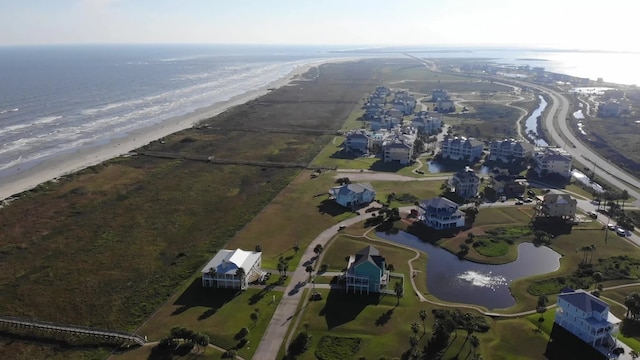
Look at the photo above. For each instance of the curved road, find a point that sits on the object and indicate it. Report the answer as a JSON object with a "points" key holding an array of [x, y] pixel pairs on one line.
{"points": [[558, 115]]}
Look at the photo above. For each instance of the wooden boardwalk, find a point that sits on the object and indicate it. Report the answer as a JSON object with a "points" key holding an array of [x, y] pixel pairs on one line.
{"points": [[214, 160], [14, 322]]}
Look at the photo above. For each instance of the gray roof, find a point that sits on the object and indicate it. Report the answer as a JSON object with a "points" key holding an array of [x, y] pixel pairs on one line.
{"points": [[584, 301], [352, 188], [369, 254], [438, 202], [558, 198], [555, 157]]}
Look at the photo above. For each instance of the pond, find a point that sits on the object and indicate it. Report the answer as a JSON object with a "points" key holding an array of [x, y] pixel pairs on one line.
{"points": [[531, 124], [436, 168], [461, 281]]}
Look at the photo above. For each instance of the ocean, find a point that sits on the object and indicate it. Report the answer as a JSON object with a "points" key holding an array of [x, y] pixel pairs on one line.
{"points": [[56, 99]]}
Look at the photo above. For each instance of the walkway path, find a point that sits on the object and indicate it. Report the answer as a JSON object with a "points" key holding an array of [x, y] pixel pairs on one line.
{"points": [[72, 329], [287, 309]]}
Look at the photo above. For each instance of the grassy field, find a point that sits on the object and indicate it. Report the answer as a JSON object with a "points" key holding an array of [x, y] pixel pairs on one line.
{"points": [[382, 324], [110, 244], [488, 122]]}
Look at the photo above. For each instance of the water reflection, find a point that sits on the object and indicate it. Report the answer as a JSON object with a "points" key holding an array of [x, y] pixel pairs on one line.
{"points": [[531, 124], [454, 280], [436, 167]]}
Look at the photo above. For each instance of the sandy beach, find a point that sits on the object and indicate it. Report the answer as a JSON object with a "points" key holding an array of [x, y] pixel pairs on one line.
{"points": [[84, 157]]}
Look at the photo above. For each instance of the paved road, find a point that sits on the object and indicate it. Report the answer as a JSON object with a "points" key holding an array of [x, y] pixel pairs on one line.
{"points": [[287, 307], [557, 115]]}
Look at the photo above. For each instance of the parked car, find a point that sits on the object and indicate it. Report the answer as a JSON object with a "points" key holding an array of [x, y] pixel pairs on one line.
{"points": [[519, 202], [620, 231], [592, 215], [611, 227], [528, 200]]}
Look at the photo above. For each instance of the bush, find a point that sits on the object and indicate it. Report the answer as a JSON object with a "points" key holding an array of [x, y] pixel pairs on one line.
{"points": [[242, 333], [230, 354], [300, 344], [184, 348]]}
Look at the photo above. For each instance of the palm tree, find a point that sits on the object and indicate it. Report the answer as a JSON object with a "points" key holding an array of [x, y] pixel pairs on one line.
{"points": [[475, 342], [399, 290], [455, 319], [241, 275], [296, 247], [423, 317], [624, 196], [281, 266], [540, 321], [634, 354], [542, 301], [413, 341], [255, 316], [318, 249], [415, 327], [309, 269]]}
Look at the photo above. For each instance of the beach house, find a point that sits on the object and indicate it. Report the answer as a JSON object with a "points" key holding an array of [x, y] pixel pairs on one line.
{"points": [[441, 213], [357, 142], [509, 150], [353, 196], [557, 205], [461, 148], [588, 318], [427, 124], [223, 270], [465, 183], [550, 161], [366, 272]]}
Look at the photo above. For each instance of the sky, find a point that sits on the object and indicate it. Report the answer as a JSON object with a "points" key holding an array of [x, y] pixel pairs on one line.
{"points": [[565, 24]]}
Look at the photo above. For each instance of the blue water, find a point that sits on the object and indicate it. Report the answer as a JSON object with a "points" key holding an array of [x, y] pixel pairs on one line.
{"points": [[54, 99], [531, 124], [461, 281]]}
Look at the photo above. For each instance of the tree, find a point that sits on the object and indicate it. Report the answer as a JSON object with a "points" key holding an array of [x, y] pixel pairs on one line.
{"points": [[540, 321], [542, 301], [634, 354], [241, 275], [318, 249], [624, 196], [423, 317], [399, 290], [475, 342], [413, 340], [415, 327], [296, 247], [255, 316], [632, 302], [309, 269], [390, 267], [464, 250], [281, 266]]}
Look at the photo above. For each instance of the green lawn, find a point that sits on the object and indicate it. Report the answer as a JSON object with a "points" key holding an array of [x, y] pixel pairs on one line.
{"points": [[219, 313]]}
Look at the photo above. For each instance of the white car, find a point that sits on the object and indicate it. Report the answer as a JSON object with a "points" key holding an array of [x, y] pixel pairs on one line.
{"points": [[611, 227], [620, 231]]}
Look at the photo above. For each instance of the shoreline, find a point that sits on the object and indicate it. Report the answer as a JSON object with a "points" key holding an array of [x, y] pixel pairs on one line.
{"points": [[84, 157]]}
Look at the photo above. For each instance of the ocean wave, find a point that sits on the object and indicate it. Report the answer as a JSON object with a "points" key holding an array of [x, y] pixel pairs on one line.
{"points": [[9, 110], [49, 135], [47, 120]]}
